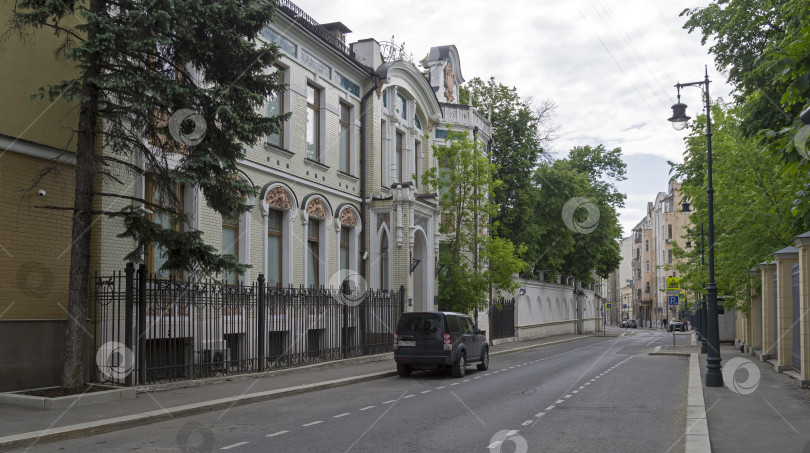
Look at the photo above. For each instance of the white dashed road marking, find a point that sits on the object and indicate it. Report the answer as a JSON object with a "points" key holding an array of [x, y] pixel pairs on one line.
{"points": [[238, 444], [371, 407], [313, 423], [342, 415], [277, 434]]}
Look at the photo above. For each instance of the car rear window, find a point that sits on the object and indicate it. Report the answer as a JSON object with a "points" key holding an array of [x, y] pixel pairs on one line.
{"points": [[424, 324], [457, 325]]}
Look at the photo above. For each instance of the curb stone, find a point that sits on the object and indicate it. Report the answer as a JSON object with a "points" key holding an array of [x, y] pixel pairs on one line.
{"points": [[697, 428]]}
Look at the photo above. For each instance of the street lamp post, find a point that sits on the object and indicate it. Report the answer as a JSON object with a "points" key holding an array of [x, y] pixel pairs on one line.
{"points": [[714, 376]]}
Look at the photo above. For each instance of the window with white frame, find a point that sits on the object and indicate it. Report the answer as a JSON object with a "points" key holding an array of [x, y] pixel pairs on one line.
{"points": [[275, 241], [385, 281], [399, 156], [313, 133], [345, 164], [417, 161], [277, 105], [313, 252]]}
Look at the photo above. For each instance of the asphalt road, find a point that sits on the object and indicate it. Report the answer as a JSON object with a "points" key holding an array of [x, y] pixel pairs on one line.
{"points": [[595, 394]]}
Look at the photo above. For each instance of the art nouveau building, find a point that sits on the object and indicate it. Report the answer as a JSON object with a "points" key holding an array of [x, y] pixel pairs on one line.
{"points": [[340, 186]]}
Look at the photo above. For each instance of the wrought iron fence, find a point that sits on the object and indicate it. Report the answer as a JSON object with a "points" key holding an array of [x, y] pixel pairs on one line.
{"points": [[149, 330], [503, 319]]}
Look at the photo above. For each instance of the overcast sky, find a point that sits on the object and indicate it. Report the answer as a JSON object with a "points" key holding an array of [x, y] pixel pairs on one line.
{"points": [[610, 66]]}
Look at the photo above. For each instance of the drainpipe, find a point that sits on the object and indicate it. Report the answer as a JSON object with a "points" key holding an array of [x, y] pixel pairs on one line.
{"points": [[363, 249], [475, 225]]}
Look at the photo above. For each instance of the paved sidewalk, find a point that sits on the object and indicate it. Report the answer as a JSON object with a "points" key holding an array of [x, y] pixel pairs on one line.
{"points": [[19, 426], [757, 409]]}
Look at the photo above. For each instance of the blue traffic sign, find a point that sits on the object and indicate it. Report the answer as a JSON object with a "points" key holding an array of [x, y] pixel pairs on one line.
{"points": [[673, 300], [624, 305]]}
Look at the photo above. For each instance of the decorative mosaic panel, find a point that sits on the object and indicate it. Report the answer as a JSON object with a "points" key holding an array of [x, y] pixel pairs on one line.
{"points": [[286, 45], [350, 86], [320, 67]]}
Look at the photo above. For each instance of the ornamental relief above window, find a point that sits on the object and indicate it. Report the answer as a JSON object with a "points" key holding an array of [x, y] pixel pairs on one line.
{"points": [[317, 208], [347, 217], [278, 198]]}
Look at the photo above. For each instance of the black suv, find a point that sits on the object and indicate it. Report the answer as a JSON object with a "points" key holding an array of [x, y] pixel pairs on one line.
{"points": [[433, 340]]}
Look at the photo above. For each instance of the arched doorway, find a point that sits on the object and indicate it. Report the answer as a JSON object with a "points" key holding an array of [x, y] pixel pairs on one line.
{"points": [[421, 282]]}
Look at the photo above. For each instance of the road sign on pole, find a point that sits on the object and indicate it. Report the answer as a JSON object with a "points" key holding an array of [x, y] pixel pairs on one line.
{"points": [[673, 300], [673, 283], [608, 306]]}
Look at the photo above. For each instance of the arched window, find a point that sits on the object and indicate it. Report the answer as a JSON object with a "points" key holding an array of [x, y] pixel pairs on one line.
{"points": [[275, 251], [279, 209], [313, 252], [385, 282]]}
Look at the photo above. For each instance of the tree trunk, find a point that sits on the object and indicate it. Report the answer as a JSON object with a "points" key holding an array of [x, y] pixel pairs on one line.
{"points": [[73, 370]]}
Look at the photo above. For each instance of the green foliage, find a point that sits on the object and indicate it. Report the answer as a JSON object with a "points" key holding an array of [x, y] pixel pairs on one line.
{"points": [[752, 204], [140, 61], [471, 258], [764, 47], [520, 130], [556, 247]]}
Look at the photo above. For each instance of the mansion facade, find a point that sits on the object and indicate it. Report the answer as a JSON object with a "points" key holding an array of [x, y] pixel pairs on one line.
{"points": [[340, 187]]}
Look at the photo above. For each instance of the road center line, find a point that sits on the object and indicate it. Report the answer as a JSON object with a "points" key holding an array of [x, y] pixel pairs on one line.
{"points": [[312, 423], [408, 396], [371, 407], [277, 434], [527, 422], [550, 408], [238, 444], [388, 402], [539, 414], [342, 415]]}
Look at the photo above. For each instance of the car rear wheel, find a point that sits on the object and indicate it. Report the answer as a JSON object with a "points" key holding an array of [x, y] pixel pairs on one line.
{"points": [[460, 367], [403, 370], [484, 364]]}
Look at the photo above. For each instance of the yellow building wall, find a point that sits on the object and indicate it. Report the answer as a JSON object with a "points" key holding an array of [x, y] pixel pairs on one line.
{"points": [[25, 66], [34, 242]]}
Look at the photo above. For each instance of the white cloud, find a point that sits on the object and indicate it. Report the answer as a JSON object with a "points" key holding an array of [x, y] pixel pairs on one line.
{"points": [[609, 66]]}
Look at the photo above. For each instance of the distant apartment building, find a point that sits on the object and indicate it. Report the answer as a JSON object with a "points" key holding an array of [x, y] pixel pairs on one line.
{"points": [[653, 241]]}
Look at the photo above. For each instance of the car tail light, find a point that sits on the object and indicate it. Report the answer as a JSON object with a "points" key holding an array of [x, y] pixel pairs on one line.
{"points": [[448, 342], [396, 341]]}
